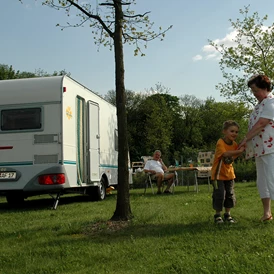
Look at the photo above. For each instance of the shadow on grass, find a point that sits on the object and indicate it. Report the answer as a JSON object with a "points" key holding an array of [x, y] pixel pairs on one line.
{"points": [[46, 202], [37, 203], [107, 231]]}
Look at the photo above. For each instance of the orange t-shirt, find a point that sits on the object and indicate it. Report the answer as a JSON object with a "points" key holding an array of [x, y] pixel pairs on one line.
{"points": [[221, 170]]}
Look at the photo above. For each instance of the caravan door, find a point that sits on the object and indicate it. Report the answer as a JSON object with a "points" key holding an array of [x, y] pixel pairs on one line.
{"points": [[93, 141]]}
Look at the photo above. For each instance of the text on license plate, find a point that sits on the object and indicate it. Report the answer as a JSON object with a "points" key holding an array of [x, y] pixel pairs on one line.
{"points": [[7, 175]]}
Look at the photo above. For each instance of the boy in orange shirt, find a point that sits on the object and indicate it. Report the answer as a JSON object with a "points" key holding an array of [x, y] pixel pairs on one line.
{"points": [[222, 172]]}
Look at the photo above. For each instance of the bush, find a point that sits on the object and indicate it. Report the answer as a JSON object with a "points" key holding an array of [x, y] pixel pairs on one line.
{"points": [[245, 170], [139, 179]]}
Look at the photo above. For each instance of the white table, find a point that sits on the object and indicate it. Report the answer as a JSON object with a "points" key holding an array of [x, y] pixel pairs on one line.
{"points": [[195, 169]]}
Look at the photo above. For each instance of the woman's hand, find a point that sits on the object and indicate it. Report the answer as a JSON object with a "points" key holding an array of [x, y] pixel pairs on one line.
{"points": [[242, 145]]}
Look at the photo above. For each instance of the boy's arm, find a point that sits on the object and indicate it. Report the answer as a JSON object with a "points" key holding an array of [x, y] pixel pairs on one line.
{"points": [[234, 153]]}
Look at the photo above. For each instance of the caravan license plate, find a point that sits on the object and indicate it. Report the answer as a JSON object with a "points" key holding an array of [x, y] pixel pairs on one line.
{"points": [[7, 175]]}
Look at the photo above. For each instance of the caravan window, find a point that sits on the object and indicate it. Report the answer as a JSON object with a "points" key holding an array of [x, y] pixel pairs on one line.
{"points": [[21, 119]]}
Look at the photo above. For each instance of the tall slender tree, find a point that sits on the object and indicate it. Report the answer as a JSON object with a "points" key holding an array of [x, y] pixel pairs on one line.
{"points": [[118, 24]]}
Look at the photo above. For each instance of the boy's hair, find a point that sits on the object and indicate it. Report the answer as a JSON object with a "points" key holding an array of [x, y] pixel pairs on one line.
{"points": [[230, 123]]}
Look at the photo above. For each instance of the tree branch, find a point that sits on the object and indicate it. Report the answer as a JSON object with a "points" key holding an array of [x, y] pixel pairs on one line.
{"points": [[106, 4], [145, 37], [137, 15], [96, 17], [121, 2], [117, 2], [69, 25]]}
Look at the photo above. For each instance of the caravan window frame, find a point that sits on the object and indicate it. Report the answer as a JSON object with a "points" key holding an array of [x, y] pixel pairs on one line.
{"points": [[36, 119]]}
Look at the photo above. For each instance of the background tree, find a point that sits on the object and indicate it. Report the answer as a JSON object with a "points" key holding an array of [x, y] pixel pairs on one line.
{"points": [[141, 110], [253, 53], [7, 72], [153, 126], [134, 120], [159, 88], [41, 73], [191, 121], [175, 113], [158, 123], [194, 124], [214, 114], [114, 27], [132, 98]]}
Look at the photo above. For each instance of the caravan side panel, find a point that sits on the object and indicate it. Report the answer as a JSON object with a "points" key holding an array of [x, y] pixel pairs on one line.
{"points": [[76, 101], [30, 114]]}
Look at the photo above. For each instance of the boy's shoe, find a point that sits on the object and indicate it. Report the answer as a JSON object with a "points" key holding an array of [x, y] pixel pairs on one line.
{"points": [[167, 192], [228, 218], [218, 219]]}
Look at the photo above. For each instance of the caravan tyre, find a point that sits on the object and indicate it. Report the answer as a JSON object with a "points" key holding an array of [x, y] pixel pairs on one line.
{"points": [[101, 191], [15, 199], [98, 193]]}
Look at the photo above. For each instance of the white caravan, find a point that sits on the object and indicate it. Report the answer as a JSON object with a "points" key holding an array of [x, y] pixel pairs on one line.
{"points": [[56, 137]]}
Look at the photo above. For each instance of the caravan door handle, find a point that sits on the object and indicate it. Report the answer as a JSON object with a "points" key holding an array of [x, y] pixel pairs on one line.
{"points": [[97, 136]]}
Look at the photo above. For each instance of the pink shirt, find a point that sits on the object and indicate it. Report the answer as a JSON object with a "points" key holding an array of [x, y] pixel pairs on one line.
{"points": [[262, 143]]}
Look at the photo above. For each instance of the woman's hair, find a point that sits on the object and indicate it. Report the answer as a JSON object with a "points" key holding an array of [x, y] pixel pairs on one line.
{"points": [[230, 123], [261, 81]]}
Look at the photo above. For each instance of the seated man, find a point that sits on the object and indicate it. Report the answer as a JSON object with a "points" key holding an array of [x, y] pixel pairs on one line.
{"points": [[157, 168]]}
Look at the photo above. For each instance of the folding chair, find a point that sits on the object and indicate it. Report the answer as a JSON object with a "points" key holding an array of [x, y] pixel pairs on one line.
{"points": [[149, 182]]}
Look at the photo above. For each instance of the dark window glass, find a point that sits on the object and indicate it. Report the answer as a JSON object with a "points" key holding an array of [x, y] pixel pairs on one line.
{"points": [[21, 119]]}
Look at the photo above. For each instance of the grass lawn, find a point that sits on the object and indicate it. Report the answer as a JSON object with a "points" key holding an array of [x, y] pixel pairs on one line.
{"points": [[168, 234]]}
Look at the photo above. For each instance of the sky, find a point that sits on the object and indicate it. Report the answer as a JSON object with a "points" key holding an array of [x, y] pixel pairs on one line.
{"points": [[184, 63]]}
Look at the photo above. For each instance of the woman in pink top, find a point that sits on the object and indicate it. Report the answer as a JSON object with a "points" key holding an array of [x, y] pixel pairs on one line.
{"points": [[259, 140]]}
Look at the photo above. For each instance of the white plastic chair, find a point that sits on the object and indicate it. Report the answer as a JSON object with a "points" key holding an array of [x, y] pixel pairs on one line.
{"points": [[149, 182]]}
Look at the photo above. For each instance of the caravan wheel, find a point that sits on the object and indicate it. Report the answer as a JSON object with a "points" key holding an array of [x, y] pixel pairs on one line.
{"points": [[101, 190], [98, 193], [15, 199]]}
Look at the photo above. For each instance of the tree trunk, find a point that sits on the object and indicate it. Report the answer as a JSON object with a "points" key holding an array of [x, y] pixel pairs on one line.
{"points": [[123, 211]]}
